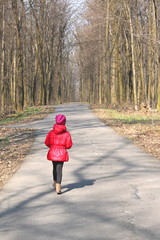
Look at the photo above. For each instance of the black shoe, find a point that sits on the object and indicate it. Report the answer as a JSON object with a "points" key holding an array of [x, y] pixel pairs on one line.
{"points": [[58, 193]]}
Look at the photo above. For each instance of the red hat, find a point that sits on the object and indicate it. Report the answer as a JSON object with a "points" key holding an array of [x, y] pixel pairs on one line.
{"points": [[60, 119]]}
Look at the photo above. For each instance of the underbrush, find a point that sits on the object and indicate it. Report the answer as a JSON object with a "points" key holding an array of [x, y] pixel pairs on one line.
{"points": [[132, 117], [143, 128], [28, 114]]}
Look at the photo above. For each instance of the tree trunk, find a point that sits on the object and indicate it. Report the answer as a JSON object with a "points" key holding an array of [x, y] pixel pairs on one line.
{"points": [[3, 89], [133, 60], [19, 70]]}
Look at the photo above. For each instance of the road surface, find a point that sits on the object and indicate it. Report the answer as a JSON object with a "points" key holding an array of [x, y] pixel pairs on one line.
{"points": [[111, 188]]}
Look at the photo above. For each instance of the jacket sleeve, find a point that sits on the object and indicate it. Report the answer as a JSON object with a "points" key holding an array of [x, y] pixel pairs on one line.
{"points": [[47, 140], [69, 142]]}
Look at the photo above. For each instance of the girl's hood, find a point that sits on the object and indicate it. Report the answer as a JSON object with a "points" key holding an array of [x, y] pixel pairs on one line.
{"points": [[58, 129]]}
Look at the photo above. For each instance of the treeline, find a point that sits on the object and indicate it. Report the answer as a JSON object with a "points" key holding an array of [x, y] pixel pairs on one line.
{"points": [[119, 53], [34, 52]]}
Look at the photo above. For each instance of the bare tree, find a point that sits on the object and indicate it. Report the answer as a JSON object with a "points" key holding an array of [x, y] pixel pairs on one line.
{"points": [[35, 51], [125, 39]]}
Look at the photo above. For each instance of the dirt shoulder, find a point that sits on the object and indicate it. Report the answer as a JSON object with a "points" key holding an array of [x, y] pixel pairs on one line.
{"points": [[15, 143], [142, 128]]}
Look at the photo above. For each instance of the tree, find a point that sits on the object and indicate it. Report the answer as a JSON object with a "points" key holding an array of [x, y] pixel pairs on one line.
{"points": [[125, 69], [35, 50]]}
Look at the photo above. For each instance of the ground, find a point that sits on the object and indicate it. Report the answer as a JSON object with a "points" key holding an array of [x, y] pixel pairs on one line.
{"points": [[143, 128], [16, 142], [14, 148]]}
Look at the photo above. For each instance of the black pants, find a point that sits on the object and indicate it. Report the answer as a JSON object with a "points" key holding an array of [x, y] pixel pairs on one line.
{"points": [[57, 171]]}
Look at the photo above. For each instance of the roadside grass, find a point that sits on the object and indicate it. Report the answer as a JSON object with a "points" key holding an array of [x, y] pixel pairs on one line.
{"points": [[4, 140], [131, 118], [142, 128], [29, 113]]}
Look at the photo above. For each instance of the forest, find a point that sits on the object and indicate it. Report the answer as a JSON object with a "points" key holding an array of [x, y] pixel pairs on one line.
{"points": [[100, 51]]}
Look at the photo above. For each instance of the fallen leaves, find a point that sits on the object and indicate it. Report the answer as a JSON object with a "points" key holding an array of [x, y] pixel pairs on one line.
{"points": [[14, 145], [16, 142], [145, 134]]}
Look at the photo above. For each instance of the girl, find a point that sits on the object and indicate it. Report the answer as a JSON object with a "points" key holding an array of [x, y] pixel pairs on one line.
{"points": [[58, 140]]}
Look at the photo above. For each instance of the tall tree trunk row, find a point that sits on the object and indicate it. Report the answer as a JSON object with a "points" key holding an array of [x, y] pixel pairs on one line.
{"points": [[34, 53], [122, 41]]}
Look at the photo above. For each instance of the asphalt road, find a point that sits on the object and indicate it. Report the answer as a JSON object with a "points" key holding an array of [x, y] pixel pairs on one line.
{"points": [[111, 188]]}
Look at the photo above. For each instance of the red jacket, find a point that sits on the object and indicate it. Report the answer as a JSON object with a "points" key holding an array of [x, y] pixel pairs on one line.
{"points": [[58, 140]]}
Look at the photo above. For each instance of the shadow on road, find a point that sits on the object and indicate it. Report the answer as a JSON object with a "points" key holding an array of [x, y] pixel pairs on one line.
{"points": [[39, 211], [81, 184]]}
